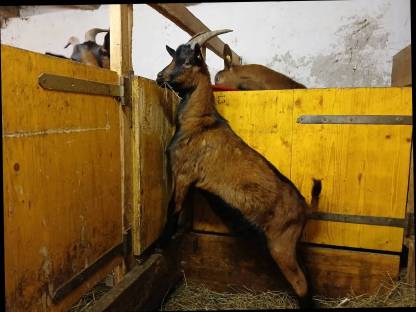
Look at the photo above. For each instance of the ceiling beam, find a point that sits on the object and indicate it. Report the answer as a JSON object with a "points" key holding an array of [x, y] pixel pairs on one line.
{"points": [[182, 17]]}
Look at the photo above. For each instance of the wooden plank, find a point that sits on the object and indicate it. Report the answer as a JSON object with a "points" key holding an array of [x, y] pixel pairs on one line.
{"points": [[223, 262], [364, 168], [153, 109], [147, 284], [61, 172], [182, 17], [401, 75], [121, 25], [337, 272]]}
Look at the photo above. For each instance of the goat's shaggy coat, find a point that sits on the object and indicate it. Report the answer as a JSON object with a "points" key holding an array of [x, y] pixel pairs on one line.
{"points": [[206, 153]]}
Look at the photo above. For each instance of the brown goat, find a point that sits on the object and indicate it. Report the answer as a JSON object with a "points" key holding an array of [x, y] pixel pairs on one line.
{"points": [[206, 153], [252, 76]]}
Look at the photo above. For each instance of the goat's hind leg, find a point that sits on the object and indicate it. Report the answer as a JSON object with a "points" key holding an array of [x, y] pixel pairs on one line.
{"points": [[282, 247]]}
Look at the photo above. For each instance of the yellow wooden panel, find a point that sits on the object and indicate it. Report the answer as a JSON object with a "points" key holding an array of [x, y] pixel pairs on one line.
{"points": [[263, 120], [153, 128], [364, 168], [61, 171]]}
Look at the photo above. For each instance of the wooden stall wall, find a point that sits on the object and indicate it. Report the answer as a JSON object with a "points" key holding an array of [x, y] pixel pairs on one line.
{"points": [[61, 177], [364, 171], [153, 127]]}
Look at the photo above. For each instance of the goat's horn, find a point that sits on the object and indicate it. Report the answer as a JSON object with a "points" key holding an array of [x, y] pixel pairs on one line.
{"points": [[72, 40], [92, 33], [202, 37]]}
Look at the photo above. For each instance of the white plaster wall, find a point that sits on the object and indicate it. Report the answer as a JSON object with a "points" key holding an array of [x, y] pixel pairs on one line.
{"points": [[318, 43]]}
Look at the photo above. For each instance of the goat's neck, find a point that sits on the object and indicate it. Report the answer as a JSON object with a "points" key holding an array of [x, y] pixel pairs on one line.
{"points": [[197, 108]]}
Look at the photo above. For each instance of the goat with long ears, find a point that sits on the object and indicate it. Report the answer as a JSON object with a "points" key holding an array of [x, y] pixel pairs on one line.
{"points": [[206, 153], [252, 76]]}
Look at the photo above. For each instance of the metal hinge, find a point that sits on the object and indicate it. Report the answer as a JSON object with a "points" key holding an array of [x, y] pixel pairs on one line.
{"points": [[74, 85], [356, 119]]}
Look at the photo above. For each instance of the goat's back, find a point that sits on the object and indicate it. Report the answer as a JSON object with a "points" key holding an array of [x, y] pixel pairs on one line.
{"points": [[257, 76]]}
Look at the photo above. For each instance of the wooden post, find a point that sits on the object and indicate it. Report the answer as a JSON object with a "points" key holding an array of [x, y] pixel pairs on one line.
{"points": [[121, 25]]}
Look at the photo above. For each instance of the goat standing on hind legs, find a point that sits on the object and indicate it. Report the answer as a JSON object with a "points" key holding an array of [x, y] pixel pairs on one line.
{"points": [[206, 153]]}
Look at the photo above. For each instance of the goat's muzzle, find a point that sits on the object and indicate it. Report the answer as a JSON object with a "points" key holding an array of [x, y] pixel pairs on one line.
{"points": [[160, 80]]}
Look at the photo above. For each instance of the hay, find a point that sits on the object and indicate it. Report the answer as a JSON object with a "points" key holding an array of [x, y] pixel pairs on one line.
{"points": [[192, 296], [87, 300]]}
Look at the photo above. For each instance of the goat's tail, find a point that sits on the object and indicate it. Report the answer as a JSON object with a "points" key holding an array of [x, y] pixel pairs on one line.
{"points": [[316, 191]]}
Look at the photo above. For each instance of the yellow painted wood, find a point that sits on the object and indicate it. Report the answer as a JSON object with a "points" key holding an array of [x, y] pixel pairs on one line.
{"points": [[153, 127], [61, 179], [263, 120], [364, 168], [121, 27]]}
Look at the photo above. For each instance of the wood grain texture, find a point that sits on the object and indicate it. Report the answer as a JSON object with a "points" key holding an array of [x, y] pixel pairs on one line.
{"points": [[121, 26], [364, 168], [401, 74], [146, 286], [61, 171], [221, 262], [153, 128]]}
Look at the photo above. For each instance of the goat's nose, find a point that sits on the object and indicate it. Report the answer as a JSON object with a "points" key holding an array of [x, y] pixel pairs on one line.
{"points": [[159, 75]]}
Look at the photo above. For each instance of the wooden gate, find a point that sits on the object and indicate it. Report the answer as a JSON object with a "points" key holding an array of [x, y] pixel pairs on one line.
{"points": [[364, 169], [62, 182], [153, 126]]}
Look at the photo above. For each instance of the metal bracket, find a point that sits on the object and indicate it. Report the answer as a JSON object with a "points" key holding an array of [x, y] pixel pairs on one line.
{"points": [[383, 221], [356, 119], [69, 84], [122, 249]]}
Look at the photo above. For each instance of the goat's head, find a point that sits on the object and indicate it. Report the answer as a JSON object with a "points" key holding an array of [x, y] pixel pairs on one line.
{"points": [[188, 62]]}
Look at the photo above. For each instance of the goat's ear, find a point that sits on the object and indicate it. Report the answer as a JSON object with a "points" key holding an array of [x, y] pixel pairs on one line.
{"points": [[170, 51], [199, 58], [227, 57]]}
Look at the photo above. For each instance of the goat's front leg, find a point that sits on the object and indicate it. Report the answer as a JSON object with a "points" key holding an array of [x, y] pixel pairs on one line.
{"points": [[174, 209], [182, 184]]}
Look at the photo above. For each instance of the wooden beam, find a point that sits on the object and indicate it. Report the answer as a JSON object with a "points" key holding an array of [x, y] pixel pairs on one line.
{"points": [[182, 17], [147, 284], [121, 25]]}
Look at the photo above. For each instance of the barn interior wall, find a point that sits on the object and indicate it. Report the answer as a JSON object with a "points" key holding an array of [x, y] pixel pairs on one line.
{"points": [[319, 43]]}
